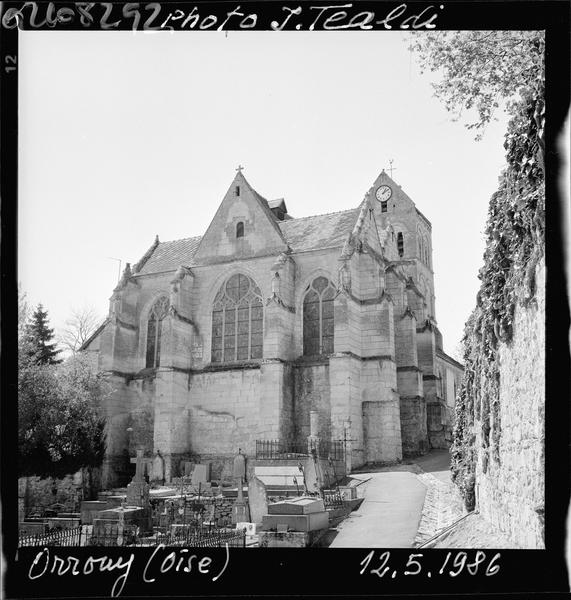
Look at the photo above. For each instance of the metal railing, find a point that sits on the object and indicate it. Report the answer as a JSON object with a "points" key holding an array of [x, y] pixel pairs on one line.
{"points": [[191, 538], [332, 499], [57, 537], [289, 449]]}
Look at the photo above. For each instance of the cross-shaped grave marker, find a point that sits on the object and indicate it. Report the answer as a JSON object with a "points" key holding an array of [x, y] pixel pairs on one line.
{"points": [[140, 461]]}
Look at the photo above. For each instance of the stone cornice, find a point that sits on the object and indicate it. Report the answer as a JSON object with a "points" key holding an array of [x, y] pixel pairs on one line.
{"points": [[410, 368], [368, 301]]}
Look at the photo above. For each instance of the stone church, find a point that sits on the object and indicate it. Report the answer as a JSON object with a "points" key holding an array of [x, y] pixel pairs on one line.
{"points": [[215, 342]]}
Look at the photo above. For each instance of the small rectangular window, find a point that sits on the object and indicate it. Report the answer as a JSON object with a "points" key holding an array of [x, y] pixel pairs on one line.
{"points": [[400, 244], [383, 207], [237, 190]]}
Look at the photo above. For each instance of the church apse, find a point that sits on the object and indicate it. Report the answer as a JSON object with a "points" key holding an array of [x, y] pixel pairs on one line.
{"points": [[244, 332]]}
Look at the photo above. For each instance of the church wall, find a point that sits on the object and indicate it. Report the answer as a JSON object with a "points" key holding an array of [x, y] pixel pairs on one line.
{"points": [[312, 391], [130, 415], [224, 409], [377, 330], [171, 417], [346, 411], [381, 411], [414, 429]]}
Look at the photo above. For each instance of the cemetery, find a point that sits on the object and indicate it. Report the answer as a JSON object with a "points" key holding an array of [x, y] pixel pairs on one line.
{"points": [[283, 497]]}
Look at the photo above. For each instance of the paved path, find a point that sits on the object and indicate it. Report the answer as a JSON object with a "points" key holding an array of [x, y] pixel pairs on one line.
{"points": [[389, 515]]}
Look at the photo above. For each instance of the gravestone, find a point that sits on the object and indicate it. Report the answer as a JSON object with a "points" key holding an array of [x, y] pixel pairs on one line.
{"points": [[186, 468], [200, 474], [239, 468], [240, 509], [158, 472], [138, 489], [311, 474], [257, 499], [142, 465]]}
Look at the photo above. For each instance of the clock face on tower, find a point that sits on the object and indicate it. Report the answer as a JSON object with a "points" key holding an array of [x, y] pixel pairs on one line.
{"points": [[383, 193]]}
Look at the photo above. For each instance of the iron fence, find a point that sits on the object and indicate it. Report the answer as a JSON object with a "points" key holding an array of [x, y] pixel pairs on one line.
{"points": [[289, 449], [57, 537], [332, 499], [192, 537]]}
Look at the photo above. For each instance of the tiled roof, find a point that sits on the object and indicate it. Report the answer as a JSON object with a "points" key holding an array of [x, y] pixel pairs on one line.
{"points": [[306, 233], [168, 256], [319, 231]]}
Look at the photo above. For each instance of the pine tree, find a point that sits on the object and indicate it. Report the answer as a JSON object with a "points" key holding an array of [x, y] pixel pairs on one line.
{"points": [[40, 336]]}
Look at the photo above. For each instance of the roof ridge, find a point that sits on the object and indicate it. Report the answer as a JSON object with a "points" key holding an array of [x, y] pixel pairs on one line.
{"points": [[337, 212], [192, 237]]}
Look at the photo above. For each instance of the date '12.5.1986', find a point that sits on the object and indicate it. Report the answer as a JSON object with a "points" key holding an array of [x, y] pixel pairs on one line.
{"points": [[454, 564]]}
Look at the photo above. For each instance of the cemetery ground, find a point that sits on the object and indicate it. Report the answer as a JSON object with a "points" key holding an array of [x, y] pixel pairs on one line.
{"points": [[282, 505]]}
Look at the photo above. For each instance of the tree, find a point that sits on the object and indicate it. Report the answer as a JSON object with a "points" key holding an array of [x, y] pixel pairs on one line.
{"points": [[480, 69], [60, 424], [40, 337], [78, 328]]}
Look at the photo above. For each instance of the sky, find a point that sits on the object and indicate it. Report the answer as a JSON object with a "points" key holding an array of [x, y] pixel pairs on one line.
{"points": [[126, 135]]}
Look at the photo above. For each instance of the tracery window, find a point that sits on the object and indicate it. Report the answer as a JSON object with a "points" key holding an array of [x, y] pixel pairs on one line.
{"points": [[237, 320], [154, 327], [318, 320]]}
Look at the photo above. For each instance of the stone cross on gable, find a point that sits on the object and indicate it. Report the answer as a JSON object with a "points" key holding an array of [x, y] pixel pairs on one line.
{"points": [[240, 168], [140, 462]]}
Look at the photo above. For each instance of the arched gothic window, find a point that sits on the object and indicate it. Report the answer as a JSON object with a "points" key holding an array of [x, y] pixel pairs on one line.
{"points": [[237, 320], [240, 229], [318, 321], [154, 327]]}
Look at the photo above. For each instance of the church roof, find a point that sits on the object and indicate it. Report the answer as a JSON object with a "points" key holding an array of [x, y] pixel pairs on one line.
{"points": [[319, 231], [305, 233], [168, 256]]}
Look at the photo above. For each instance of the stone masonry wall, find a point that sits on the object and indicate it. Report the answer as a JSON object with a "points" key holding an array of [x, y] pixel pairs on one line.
{"points": [[511, 494], [312, 392]]}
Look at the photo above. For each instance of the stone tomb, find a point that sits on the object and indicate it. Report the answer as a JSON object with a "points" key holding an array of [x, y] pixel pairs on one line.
{"points": [[63, 523], [348, 492], [281, 479], [32, 528], [90, 509], [297, 506], [110, 499], [299, 514], [113, 526]]}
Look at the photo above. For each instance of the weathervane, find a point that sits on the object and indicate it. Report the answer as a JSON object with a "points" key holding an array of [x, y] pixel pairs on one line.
{"points": [[391, 167]]}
